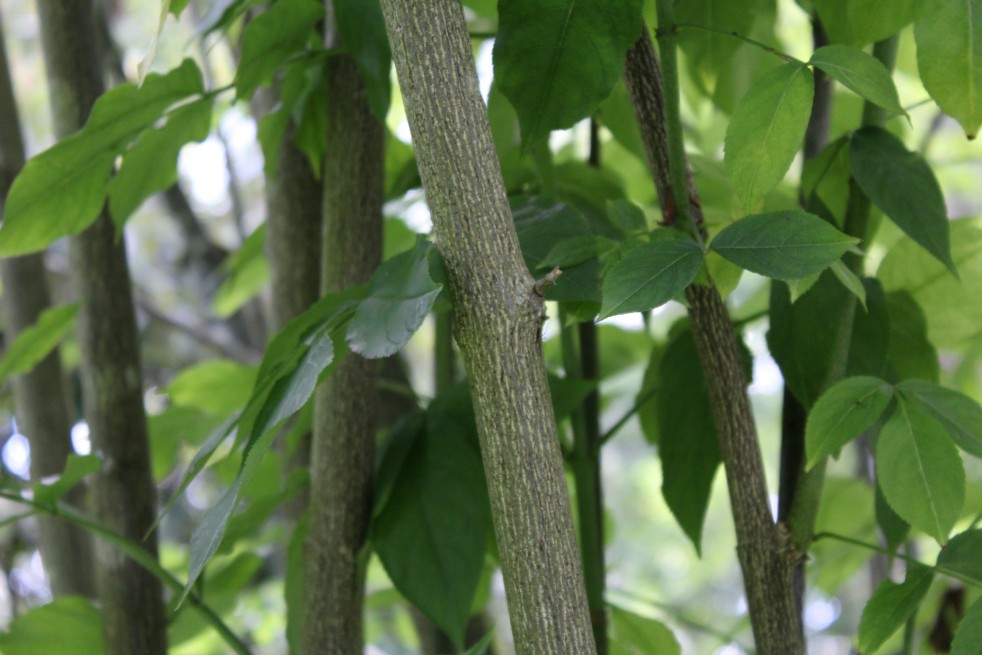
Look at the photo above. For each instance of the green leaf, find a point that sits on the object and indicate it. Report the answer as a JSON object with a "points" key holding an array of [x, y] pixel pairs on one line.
{"points": [[849, 280], [902, 184], [842, 413], [217, 387], [542, 223], [890, 607], [920, 471], [957, 413], [785, 245], [650, 275], [150, 166], [968, 636], [911, 354], [177, 6], [627, 216], [439, 504], [688, 446], [963, 555], [949, 57], [859, 72], [172, 428], [710, 50], [77, 467], [869, 344], [61, 191], [766, 131], [874, 20], [633, 634], [78, 630], [362, 30], [294, 361], [847, 509], [271, 38], [556, 60], [400, 295], [568, 394], [34, 343], [952, 307], [246, 273], [576, 250], [894, 529]]}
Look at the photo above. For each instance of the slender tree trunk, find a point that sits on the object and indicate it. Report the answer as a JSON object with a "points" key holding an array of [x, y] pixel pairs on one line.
{"points": [[343, 451], [123, 492], [498, 313], [39, 395], [765, 557]]}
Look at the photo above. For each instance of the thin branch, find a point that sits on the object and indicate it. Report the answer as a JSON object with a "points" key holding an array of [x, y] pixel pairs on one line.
{"points": [[740, 37], [226, 344], [641, 401]]}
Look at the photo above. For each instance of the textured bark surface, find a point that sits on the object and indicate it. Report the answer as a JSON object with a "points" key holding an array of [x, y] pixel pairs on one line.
{"points": [[766, 558], [40, 402], [497, 320], [343, 451], [123, 492]]}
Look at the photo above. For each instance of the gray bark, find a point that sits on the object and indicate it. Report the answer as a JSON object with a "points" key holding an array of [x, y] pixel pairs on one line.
{"points": [[123, 492], [498, 313], [40, 401]]}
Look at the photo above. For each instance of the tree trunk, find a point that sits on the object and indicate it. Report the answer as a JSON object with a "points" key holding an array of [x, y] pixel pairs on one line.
{"points": [[39, 395], [346, 405], [123, 492], [766, 559], [498, 313]]}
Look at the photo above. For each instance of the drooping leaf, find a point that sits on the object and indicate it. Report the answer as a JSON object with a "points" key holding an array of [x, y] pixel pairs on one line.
{"points": [[902, 184], [61, 191], [294, 361], [842, 413], [271, 38], [79, 629], [920, 471], [34, 343], [963, 555], [860, 72], [399, 296], [297, 78], [766, 130], [246, 274], [951, 307], [688, 447], [150, 165], [438, 503], [960, 415], [895, 530], [556, 60], [968, 636], [890, 607], [218, 387], [650, 275], [949, 57], [362, 31], [784, 245], [77, 467], [633, 634], [849, 280]]}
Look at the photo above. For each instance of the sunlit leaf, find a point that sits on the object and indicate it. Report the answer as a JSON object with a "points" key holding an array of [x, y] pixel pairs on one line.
{"points": [[949, 57], [766, 131], [920, 471]]}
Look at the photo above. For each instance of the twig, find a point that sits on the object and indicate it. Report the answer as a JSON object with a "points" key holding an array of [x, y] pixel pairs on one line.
{"points": [[226, 345]]}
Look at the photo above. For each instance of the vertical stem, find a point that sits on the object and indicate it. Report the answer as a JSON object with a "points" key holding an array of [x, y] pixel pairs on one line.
{"points": [[41, 405], [346, 405], [586, 475], [765, 559], [445, 365], [123, 491], [497, 321]]}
